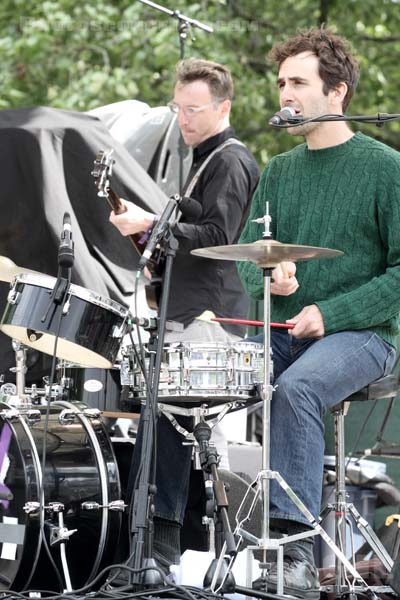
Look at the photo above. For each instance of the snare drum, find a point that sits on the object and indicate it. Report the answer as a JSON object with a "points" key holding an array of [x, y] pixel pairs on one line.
{"points": [[197, 372], [92, 326]]}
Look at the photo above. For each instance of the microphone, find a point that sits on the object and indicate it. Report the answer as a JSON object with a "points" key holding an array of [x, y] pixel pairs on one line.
{"points": [[282, 116], [158, 232], [66, 248], [190, 208]]}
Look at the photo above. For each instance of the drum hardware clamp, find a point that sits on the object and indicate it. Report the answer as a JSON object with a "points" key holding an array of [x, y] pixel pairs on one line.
{"points": [[35, 393], [58, 534], [115, 505]]}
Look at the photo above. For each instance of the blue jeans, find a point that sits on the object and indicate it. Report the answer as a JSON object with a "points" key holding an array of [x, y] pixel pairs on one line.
{"points": [[310, 377]]}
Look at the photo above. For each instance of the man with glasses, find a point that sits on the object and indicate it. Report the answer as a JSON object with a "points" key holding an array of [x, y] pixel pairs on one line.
{"points": [[202, 101], [222, 179]]}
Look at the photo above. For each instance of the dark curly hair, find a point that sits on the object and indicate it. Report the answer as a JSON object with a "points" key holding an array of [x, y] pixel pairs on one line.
{"points": [[336, 62]]}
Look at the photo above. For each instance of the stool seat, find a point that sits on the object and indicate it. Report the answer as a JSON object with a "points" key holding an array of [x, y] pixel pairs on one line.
{"points": [[385, 387]]}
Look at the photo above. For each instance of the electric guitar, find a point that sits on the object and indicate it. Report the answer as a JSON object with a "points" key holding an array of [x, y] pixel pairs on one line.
{"points": [[102, 172]]}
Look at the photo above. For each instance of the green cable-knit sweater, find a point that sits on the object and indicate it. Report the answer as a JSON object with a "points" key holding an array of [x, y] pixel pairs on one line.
{"points": [[345, 197]]}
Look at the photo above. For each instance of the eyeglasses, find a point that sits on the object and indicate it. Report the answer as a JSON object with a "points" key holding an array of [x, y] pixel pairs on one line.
{"points": [[190, 111]]}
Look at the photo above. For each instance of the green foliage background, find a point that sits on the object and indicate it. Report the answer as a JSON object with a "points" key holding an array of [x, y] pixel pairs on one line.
{"points": [[78, 56]]}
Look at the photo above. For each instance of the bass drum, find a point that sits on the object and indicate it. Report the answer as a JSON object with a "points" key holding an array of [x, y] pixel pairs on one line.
{"points": [[80, 468]]}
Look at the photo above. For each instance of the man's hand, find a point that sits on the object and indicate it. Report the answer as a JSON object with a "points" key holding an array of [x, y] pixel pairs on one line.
{"points": [[133, 220], [309, 323], [284, 280]]}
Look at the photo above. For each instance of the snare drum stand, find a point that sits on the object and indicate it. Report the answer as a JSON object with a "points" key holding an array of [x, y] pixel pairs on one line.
{"points": [[263, 478], [141, 527]]}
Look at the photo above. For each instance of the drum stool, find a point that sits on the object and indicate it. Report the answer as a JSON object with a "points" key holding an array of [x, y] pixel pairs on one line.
{"points": [[385, 387]]}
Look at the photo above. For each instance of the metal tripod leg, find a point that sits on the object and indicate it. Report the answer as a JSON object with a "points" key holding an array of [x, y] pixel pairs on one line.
{"points": [[343, 510], [273, 544], [370, 537]]}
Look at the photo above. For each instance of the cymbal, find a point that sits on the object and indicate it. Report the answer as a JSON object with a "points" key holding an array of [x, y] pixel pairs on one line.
{"points": [[266, 253], [8, 269]]}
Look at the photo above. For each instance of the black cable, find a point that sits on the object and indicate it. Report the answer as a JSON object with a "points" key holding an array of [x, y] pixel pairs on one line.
{"points": [[361, 431], [380, 119], [42, 536]]}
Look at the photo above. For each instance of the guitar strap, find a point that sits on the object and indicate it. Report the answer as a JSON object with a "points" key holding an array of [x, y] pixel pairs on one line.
{"points": [[200, 170], [196, 176]]}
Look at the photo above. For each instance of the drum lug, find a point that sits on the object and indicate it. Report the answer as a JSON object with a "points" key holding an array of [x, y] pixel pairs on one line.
{"points": [[31, 507], [55, 507], [67, 417], [67, 305], [92, 413], [13, 296], [33, 416], [115, 505], [11, 414], [118, 331]]}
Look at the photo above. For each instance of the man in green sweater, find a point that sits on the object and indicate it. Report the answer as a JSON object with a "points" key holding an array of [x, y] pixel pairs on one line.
{"points": [[338, 190]]}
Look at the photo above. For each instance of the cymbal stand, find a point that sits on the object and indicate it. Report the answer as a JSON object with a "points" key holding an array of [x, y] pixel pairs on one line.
{"points": [[20, 400], [262, 481]]}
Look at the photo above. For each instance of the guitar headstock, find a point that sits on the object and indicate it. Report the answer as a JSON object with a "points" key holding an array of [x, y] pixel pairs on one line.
{"points": [[102, 171]]}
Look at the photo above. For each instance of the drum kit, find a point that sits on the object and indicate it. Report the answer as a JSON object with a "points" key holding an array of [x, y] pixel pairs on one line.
{"points": [[59, 479]]}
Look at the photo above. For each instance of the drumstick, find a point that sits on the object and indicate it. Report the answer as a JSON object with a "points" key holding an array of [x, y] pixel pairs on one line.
{"points": [[249, 322]]}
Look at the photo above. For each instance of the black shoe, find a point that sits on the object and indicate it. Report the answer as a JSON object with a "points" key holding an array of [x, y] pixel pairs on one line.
{"points": [[300, 575]]}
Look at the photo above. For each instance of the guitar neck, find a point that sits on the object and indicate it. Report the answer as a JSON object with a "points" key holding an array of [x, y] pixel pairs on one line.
{"points": [[115, 203]]}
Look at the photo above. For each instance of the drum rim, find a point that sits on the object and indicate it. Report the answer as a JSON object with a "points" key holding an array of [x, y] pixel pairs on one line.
{"points": [[48, 282]]}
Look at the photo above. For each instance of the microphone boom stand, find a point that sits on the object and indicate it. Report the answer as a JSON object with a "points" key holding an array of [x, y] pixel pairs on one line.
{"points": [[184, 24], [379, 119], [142, 511]]}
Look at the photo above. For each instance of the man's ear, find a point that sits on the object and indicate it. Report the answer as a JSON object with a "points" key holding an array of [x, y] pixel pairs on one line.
{"points": [[338, 94], [226, 107]]}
